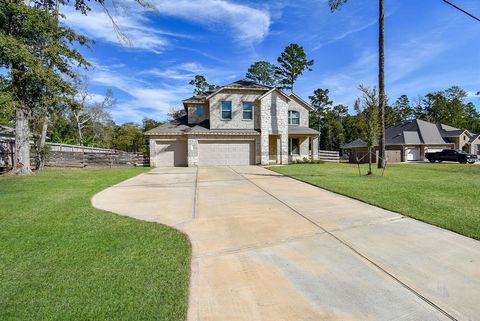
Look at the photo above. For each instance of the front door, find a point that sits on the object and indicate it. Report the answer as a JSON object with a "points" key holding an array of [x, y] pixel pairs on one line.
{"points": [[272, 149]]}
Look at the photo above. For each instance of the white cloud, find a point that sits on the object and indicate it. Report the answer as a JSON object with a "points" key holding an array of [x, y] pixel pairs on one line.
{"points": [[144, 100], [98, 26], [184, 71], [247, 23]]}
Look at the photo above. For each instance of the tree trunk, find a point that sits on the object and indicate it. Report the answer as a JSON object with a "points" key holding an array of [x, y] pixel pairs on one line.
{"points": [[41, 153], [21, 164], [369, 161], [381, 84]]}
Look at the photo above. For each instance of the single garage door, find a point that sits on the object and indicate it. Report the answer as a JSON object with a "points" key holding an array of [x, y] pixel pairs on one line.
{"points": [[393, 156], [170, 153], [226, 152], [412, 154]]}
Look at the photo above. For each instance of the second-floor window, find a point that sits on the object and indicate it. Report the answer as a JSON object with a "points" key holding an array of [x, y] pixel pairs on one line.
{"points": [[293, 117], [199, 110], [226, 110], [247, 110]]}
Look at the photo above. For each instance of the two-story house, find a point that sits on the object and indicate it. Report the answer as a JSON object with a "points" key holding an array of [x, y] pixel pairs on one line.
{"points": [[242, 123]]}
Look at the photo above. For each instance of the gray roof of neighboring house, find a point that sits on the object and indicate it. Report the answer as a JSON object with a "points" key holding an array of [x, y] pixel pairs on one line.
{"points": [[474, 137], [414, 132], [449, 131], [299, 130], [357, 143]]}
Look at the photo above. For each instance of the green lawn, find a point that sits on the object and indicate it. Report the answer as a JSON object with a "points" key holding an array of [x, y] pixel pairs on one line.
{"points": [[446, 195], [61, 259]]}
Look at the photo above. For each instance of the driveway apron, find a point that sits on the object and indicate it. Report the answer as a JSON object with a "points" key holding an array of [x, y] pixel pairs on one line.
{"points": [[268, 247]]}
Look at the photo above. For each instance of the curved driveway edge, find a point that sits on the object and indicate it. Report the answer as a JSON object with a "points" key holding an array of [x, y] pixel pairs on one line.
{"points": [[268, 247]]}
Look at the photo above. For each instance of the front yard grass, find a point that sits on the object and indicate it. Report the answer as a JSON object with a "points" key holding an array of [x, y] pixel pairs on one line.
{"points": [[61, 259], [446, 195]]}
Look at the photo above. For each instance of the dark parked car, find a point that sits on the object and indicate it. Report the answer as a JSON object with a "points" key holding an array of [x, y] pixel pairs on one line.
{"points": [[451, 155]]}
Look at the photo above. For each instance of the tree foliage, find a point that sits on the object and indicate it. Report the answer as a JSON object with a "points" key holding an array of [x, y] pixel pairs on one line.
{"points": [[201, 85], [263, 72], [293, 63]]}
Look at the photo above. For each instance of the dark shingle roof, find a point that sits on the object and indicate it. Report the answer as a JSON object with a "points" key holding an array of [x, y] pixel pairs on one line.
{"points": [[180, 126], [248, 84], [413, 132], [298, 130], [357, 143], [473, 138], [176, 127]]}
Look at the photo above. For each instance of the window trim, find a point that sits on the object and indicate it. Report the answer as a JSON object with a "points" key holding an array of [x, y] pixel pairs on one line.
{"points": [[251, 110], [290, 117], [200, 106], [221, 109]]}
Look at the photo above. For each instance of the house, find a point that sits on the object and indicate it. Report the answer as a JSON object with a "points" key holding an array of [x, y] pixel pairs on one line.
{"points": [[242, 123], [410, 140]]}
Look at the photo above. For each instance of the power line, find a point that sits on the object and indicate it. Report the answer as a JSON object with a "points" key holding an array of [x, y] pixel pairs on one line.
{"points": [[462, 10]]}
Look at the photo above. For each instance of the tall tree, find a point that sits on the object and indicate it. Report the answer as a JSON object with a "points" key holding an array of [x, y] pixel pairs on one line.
{"points": [[321, 104], [149, 123], [263, 72], [39, 56], [367, 117], [293, 63], [336, 4], [201, 85], [400, 111]]}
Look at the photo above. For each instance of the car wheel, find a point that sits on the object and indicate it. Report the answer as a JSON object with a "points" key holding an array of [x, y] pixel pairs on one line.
{"points": [[431, 160], [463, 161]]}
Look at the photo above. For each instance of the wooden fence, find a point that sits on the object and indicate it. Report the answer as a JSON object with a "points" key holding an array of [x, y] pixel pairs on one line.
{"points": [[64, 155], [329, 156]]}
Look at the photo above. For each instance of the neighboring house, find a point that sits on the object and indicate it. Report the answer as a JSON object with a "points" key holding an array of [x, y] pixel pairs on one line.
{"points": [[242, 123], [410, 140]]}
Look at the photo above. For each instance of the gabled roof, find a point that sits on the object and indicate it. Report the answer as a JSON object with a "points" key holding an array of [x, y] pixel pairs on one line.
{"points": [[474, 138], [300, 100], [272, 90], [174, 127], [357, 143]]}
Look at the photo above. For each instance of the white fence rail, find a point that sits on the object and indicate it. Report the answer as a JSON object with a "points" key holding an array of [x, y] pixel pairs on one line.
{"points": [[329, 155]]}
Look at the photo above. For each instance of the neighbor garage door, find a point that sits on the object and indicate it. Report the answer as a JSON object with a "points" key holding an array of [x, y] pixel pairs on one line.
{"points": [[226, 152], [170, 153], [412, 154], [393, 156]]}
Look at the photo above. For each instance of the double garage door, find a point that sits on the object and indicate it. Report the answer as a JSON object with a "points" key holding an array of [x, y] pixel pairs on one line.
{"points": [[226, 152], [210, 152]]}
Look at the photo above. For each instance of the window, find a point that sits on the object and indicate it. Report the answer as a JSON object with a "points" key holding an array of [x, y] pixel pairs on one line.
{"points": [[226, 110], [293, 146], [247, 110], [199, 110], [293, 117]]}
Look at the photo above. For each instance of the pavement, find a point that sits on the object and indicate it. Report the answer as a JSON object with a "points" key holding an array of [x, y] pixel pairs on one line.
{"points": [[268, 247]]}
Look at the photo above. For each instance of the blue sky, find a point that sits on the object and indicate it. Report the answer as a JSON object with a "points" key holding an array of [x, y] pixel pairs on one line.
{"points": [[429, 46]]}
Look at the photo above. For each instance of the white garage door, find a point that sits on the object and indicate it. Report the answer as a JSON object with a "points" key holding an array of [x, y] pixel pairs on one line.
{"points": [[412, 154], [170, 153], [225, 152]]}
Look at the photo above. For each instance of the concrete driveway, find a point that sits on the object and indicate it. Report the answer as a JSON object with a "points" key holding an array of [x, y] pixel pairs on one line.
{"points": [[268, 247]]}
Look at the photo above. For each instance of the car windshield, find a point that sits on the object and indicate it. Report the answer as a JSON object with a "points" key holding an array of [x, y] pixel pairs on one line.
{"points": [[460, 151]]}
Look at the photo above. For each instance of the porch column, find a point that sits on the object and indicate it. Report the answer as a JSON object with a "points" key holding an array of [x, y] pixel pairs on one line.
{"points": [[315, 147], [264, 148], [284, 148]]}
